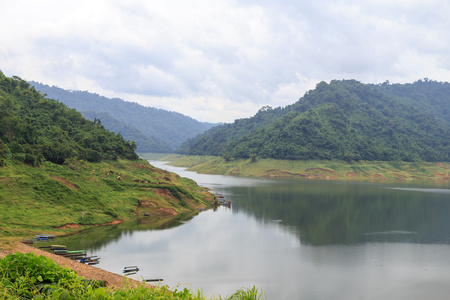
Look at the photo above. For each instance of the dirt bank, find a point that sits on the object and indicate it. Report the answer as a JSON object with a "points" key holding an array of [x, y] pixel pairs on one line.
{"points": [[86, 271]]}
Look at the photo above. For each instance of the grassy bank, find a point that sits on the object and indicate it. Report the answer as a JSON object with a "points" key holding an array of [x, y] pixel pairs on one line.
{"points": [[62, 198], [315, 169], [27, 276]]}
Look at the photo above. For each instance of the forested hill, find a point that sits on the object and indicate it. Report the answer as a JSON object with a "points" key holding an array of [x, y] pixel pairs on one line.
{"points": [[158, 130], [431, 97], [34, 129], [344, 120]]}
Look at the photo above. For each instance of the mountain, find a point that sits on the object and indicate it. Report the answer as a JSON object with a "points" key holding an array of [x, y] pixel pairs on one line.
{"points": [[34, 129], [431, 97], [158, 130], [58, 168], [144, 143], [344, 120]]}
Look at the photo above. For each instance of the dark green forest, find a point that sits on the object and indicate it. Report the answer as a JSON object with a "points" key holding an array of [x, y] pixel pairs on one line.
{"points": [[344, 120], [431, 97], [158, 130], [34, 129]]}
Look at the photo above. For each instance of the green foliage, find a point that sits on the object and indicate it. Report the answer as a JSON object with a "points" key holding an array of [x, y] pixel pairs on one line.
{"points": [[78, 192], [344, 120], [37, 129], [3, 153], [114, 185], [153, 130], [249, 294], [431, 97], [26, 276]]}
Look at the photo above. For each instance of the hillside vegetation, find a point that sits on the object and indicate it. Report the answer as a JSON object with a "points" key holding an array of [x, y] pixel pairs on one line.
{"points": [[34, 129], [437, 172], [431, 97], [344, 120], [48, 197], [57, 168], [163, 130]]}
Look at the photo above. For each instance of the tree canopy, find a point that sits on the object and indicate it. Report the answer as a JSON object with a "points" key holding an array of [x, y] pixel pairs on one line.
{"points": [[156, 130], [344, 120], [33, 129]]}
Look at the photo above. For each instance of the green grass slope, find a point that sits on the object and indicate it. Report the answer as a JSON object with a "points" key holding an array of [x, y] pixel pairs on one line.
{"points": [[48, 197], [58, 168]]}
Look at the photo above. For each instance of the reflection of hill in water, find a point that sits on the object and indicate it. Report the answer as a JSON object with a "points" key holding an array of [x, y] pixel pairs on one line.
{"points": [[322, 213], [100, 236]]}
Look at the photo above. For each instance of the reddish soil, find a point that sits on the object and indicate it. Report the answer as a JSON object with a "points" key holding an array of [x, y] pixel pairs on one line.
{"points": [[89, 272], [163, 193], [76, 226], [65, 182]]}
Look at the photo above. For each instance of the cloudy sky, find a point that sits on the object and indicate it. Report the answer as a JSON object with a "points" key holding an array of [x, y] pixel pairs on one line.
{"points": [[221, 60]]}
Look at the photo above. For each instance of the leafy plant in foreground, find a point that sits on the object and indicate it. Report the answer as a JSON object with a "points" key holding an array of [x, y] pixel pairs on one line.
{"points": [[26, 276]]}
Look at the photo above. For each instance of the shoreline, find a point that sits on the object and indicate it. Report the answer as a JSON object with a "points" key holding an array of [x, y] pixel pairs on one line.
{"points": [[330, 170], [112, 280]]}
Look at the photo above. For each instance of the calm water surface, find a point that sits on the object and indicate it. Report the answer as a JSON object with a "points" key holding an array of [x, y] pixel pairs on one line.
{"points": [[294, 240]]}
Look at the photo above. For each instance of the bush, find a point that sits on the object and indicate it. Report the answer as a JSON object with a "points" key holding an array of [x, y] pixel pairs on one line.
{"points": [[26, 276]]}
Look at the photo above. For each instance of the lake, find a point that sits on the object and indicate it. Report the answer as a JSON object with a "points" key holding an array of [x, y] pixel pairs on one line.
{"points": [[294, 239]]}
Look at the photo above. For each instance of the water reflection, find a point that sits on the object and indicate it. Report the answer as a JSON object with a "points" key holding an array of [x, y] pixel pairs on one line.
{"points": [[345, 213], [293, 239]]}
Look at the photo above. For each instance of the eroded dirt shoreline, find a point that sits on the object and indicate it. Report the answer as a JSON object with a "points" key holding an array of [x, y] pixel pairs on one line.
{"points": [[89, 272]]}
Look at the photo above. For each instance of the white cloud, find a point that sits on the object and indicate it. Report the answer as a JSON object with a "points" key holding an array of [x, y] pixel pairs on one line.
{"points": [[221, 60]]}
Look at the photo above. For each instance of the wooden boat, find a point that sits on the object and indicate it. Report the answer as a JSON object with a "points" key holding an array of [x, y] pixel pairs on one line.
{"points": [[130, 273], [29, 242], [74, 255], [89, 259], [43, 237], [58, 247], [130, 269], [75, 251], [60, 251]]}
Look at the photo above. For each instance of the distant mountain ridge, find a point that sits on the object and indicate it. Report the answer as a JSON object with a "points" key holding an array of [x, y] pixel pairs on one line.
{"points": [[157, 130], [344, 120]]}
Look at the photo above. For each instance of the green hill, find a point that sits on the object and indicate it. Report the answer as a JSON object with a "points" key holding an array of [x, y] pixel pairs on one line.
{"points": [[34, 129], [58, 168], [431, 97], [144, 143], [163, 129], [344, 120]]}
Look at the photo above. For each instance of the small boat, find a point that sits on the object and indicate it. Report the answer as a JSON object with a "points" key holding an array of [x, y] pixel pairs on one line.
{"points": [[130, 269], [43, 237], [76, 251], [27, 241], [89, 259], [130, 273], [73, 255], [58, 247], [60, 251]]}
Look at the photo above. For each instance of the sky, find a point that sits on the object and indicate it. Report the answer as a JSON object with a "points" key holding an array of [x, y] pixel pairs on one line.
{"points": [[221, 60]]}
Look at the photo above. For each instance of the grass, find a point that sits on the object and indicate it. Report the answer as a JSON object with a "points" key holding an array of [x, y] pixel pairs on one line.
{"points": [[42, 199], [27, 276], [315, 169]]}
